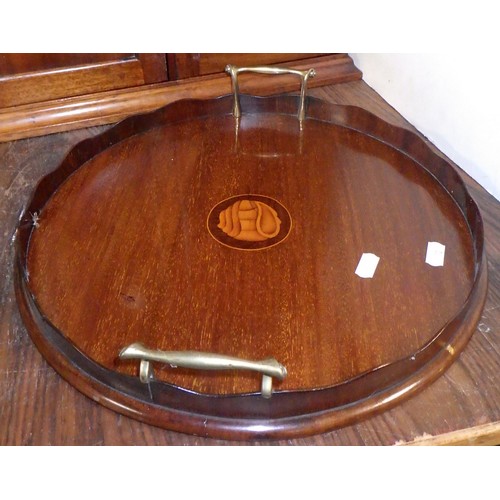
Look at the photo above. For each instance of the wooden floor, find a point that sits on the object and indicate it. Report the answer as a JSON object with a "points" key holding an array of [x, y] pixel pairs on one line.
{"points": [[38, 407]]}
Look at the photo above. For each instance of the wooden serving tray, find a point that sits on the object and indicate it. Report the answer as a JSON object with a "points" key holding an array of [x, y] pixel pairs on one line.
{"points": [[186, 229]]}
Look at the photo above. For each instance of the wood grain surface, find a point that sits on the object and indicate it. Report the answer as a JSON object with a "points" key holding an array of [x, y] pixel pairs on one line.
{"points": [[122, 253], [38, 407]]}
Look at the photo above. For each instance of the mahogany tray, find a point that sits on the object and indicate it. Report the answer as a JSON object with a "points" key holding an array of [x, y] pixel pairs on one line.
{"points": [[188, 231]]}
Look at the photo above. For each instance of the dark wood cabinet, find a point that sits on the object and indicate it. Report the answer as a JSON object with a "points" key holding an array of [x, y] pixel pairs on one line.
{"points": [[47, 93]]}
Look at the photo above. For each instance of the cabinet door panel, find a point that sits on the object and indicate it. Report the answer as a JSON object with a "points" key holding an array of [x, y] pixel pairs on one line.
{"points": [[188, 65], [30, 78]]}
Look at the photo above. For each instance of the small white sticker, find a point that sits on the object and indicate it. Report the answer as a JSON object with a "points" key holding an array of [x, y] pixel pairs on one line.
{"points": [[367, 265], [435, 254]]}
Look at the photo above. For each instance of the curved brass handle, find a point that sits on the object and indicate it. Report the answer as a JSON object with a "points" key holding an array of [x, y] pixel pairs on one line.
{"points": [[203, 361], [234, 71]]}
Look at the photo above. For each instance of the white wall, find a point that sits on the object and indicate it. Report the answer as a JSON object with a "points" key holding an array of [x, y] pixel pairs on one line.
{"points": [[453, 100]]}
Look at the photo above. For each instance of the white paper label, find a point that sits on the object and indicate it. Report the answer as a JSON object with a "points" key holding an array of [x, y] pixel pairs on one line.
{"points": [[435, 254], [367, 265]]}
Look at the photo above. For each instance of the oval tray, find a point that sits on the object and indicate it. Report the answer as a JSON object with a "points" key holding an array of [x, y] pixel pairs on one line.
{"points": [[186, 229]]}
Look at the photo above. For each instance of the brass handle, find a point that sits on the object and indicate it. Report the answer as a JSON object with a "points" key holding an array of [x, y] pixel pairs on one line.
{"points": [[234, 71], [203, 361]]}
